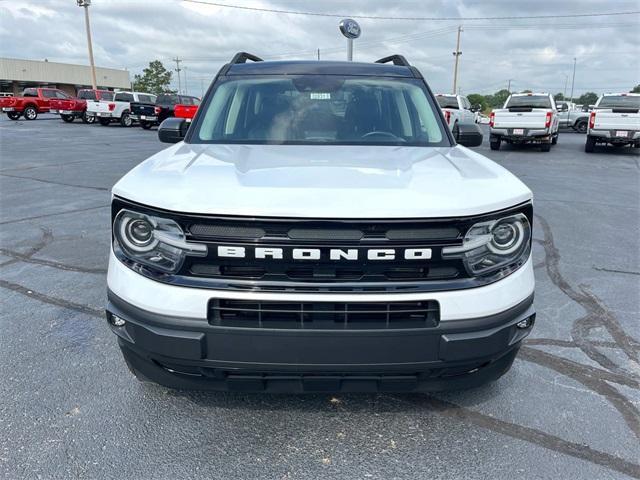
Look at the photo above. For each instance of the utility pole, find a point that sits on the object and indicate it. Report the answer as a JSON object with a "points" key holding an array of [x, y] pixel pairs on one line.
{"points": [[318, 54], [178, 69], [564, 92], [186, 86], [456, 54], [201, 88], [574, 77], [85, 4], [509, 87]]}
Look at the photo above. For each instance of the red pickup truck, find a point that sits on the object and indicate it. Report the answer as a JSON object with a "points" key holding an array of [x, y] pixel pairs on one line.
{"points": [[71, 108], [32, 102]]}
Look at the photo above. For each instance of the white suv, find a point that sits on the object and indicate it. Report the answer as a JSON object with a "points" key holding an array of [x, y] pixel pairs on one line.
{"points": [[318, 228]]}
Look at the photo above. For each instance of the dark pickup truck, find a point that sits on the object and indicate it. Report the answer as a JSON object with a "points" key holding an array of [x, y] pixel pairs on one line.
{"points": [[148, 115]]}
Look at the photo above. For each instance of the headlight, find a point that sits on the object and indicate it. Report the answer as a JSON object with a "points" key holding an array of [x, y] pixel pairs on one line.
{"points": [[501, 245], [153, 241]]}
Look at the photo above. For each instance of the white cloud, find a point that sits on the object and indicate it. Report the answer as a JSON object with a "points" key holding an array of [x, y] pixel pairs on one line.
{"points": [[535, 54]]}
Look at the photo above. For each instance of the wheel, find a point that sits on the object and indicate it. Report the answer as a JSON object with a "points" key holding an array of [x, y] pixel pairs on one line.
{"points": [[88, 118], [125, 119], [455, 131], [145, 125], [494, 143], [104, 121], [30, 113], [13, 115], [545, 147], [67, 118], [554, 139], [581, 126], [590, 144]]}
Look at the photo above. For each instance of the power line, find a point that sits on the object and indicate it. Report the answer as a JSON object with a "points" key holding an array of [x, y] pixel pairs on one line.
{"points": [[435, 19]]}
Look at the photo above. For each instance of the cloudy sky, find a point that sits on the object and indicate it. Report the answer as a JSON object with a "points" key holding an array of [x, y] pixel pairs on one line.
{"points": [[535, 54]]}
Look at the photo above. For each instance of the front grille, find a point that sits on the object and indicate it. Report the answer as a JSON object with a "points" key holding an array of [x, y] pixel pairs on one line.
{"points": [[323, 315], [343, 247]]}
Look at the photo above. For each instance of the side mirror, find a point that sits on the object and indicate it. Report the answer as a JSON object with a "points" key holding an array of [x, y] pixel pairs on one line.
{"points": [[469, 135], [172, 130]]}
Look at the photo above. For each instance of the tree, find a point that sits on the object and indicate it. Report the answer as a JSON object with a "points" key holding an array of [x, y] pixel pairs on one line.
{"points": [[589, 98], [154, 79], [476, 99], [497, 99], [558, 97], [635, 89], [526, 91]]}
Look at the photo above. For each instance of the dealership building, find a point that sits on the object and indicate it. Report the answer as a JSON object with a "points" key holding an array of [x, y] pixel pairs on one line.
{"points": [[16, 75]]}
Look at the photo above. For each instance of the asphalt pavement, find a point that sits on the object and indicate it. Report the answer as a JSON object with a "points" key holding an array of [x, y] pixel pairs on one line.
{"points": [[69, 408]]}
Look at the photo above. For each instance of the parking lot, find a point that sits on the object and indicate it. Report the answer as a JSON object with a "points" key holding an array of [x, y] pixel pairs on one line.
{"points": [[69, 408]]}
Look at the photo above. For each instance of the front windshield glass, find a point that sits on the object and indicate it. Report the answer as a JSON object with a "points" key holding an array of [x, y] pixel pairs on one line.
{"points": [[529, 101], [327, 110], [619, 101]]}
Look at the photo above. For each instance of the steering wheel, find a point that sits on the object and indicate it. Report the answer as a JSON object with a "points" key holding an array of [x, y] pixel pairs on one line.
{"points": [[380, 133]]}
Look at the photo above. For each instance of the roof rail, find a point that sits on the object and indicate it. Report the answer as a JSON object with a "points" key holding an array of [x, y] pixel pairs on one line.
{"points": [[396, 59], [242, 57]]}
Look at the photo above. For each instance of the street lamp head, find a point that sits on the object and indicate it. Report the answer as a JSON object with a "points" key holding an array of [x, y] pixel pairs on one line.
{"points": [[83, 3]]}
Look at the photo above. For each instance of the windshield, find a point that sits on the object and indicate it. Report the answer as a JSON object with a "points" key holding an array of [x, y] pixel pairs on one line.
{"points": [[165, 98], [529, 101], [619, 101], [447, 102], [327, 110]]}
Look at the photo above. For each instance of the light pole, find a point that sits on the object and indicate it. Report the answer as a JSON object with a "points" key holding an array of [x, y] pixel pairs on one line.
{"points": [[85, 4], [564, 92], [456, 54], [350, 29], [573, 80]]}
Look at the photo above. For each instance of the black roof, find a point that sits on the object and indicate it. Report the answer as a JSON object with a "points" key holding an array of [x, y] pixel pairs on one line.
{"points": [[313, 67]]}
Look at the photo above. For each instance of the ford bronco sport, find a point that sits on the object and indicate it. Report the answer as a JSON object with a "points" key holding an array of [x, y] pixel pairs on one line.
{"points": [[318, 228]]}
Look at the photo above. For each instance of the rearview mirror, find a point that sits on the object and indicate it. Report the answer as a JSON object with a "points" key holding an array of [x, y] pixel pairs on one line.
{"points": [[172, 130], [469, 135]]}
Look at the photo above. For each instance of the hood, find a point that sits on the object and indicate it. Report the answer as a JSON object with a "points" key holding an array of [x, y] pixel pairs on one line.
{"points": [[322, 181]]}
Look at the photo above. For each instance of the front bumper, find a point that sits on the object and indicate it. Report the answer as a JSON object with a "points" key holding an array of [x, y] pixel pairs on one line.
{"points": [[189, 352]]}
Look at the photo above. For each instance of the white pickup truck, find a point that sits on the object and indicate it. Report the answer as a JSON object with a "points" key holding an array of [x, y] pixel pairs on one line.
{"points": [[615, 120], [456, 109], [118, 109], [525, 118]]}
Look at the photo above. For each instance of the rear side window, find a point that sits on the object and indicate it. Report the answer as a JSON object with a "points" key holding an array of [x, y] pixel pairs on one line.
{"points": [[123, 97], [106, 96], [87, 95], [30, 92], [619, 101], [447, 102], [529, 101], [49, 93]]}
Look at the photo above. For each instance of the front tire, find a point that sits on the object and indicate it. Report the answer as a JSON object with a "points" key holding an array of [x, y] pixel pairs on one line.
{"points": [[67, 118], [13, 115], [30, 113], [104, 121], [590, 145], [125, 119]]}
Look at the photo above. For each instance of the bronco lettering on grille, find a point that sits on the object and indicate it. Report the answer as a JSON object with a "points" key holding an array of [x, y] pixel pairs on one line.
{"points": [[335, 254]]}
